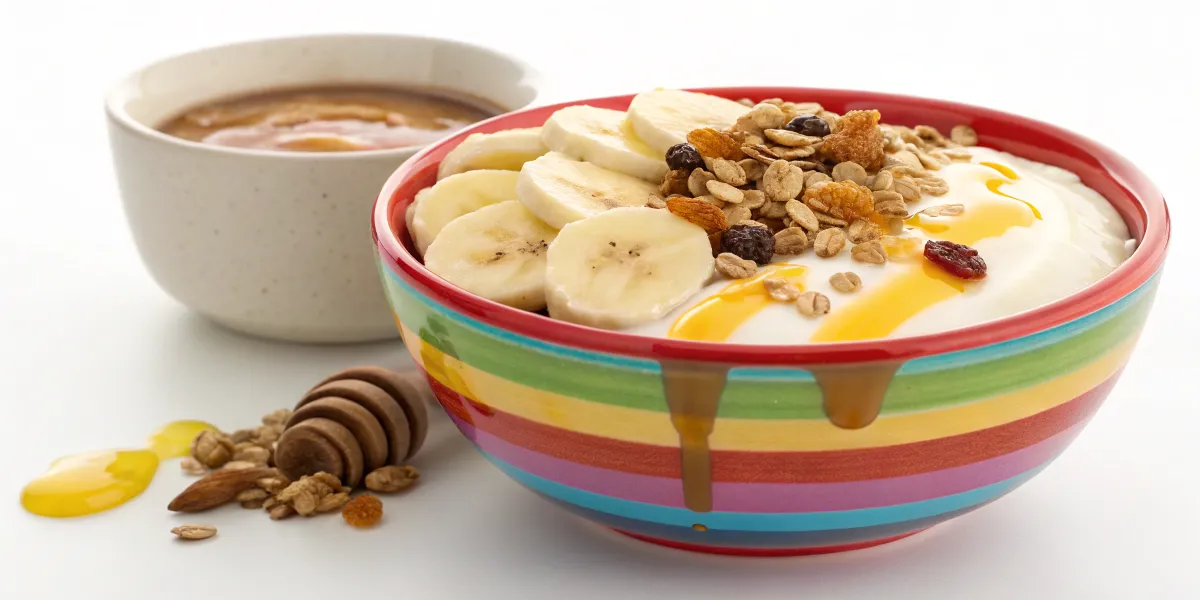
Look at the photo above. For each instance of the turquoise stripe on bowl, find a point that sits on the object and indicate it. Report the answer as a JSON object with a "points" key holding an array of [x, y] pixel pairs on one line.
{"points": [[764, 521]]}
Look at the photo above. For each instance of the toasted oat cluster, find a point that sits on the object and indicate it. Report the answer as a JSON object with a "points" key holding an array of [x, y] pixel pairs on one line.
{"points": [[791, 176]]}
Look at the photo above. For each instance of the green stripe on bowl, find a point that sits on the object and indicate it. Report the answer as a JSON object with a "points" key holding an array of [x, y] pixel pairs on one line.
{"points": [[757, 397], [941, 389]]}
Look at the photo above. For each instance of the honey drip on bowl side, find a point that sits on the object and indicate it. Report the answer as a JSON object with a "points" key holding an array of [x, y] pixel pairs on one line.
{"points": [[693, 392], [92, 482], [852, 396]]}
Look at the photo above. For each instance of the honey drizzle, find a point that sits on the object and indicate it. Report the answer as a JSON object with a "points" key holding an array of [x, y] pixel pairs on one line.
{"points": [[718, 316], [993, 185], [881, 311], [903, 296]]}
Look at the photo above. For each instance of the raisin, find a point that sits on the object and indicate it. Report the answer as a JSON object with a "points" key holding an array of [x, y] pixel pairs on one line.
{"points": [[749, 242], [684, 156], [858, 140], [363, 511], [808, 125], [960, 261]]}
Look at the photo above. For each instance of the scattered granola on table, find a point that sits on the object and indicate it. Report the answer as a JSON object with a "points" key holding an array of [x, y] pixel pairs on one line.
{"points": [[391, 478], [194, 532], [241, 467], [812, 304]]}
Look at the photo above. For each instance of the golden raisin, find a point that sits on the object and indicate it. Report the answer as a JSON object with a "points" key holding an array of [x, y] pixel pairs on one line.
{"points": [[858, 140], [363, 511], [844, 200]]}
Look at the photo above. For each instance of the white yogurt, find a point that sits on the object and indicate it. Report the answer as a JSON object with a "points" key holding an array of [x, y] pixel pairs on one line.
{"points": [[1079, 239]]}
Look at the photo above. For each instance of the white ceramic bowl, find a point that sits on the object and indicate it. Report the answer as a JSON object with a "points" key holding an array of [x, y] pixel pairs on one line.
{"points": [[270, 243]]}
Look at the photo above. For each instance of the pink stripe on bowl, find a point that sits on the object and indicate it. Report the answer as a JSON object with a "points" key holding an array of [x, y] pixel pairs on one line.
{"points": [[776, 497]]}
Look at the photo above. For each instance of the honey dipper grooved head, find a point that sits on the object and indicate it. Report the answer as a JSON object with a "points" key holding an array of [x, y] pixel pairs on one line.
{"points": [[299, 459], [407, 390], [360, 421], [304, 451], [383, 408], [348, 448]]}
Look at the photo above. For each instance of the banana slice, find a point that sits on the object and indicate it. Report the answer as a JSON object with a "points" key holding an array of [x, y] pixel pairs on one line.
{"points": [[604, 138], [504, 150], [663, 118], [456, 196], [625, 267], [497, 252], [412, 209], [560, 190]]}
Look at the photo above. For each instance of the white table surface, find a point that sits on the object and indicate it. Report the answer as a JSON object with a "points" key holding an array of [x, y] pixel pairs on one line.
{"points": [[93, 355]]}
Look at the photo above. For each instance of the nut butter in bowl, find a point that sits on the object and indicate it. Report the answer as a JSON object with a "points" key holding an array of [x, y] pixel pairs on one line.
{"points": [[330, 119], [246, 170]]}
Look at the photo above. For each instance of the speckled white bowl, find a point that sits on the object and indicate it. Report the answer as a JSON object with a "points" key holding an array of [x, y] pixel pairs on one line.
{"points": [[277, 244]]}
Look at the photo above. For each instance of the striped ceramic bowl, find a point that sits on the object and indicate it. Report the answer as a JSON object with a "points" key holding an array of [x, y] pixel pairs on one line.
{"points": [[775, 450]]}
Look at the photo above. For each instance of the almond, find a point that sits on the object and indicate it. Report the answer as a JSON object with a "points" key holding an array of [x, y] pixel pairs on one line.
{"points": [[217, 488], [708, 217]]}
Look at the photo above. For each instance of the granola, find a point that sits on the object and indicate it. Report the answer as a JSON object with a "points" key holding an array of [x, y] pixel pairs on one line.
{"points": [[809, 177], [735, 267], [194, 532], [829, 242], [790, 241], [812, 304], [871, 252], [781, 289], [847, 282]]}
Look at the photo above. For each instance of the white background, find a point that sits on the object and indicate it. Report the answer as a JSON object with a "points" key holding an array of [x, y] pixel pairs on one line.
{"points": [[93, 355]]}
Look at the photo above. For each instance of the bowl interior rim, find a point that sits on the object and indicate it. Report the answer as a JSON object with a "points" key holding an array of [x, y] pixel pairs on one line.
{"points": [[1147, 214]]}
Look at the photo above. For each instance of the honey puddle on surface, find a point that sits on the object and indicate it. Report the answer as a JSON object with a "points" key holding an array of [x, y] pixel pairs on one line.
{"points": [[852, 396], [92, 482]]}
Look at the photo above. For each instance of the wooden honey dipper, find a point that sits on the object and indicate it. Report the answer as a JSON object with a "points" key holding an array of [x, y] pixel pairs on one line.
{"points": [[353, 422]]}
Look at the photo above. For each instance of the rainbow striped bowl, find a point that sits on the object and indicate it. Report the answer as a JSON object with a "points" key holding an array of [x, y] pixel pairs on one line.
{"points": [[777, 450]]}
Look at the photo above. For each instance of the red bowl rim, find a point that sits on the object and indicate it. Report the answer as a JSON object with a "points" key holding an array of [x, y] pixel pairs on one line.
{"points": [[1130, 275]]}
